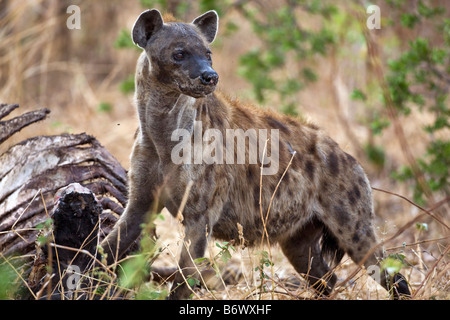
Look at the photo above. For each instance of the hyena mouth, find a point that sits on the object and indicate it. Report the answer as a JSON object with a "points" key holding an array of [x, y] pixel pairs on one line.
{"points": [[197, 91]]}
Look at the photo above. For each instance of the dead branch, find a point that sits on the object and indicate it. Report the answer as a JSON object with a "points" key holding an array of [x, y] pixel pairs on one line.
{"points": [[9, 127]]}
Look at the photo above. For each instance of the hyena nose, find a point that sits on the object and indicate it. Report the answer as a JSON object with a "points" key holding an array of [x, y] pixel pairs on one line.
{"points": [[209, 78]]}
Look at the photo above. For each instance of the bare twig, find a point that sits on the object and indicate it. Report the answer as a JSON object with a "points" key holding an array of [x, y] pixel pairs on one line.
{"points": [[431, 271], [9, 127], [428, 212]]}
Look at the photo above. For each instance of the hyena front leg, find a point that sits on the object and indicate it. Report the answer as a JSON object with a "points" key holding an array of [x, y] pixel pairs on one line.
{"points": [[142, 184], [194, 247]]}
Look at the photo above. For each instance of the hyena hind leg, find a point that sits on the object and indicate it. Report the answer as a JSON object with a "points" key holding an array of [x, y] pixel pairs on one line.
{"points": [[305, 254], [357, 240]]}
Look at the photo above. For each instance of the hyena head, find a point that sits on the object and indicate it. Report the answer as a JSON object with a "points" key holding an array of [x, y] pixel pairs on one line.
{"points": [[179, 52]]}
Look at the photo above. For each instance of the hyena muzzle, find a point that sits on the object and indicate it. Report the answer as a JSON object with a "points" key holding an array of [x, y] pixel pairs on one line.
{"points": [[322, 208]]}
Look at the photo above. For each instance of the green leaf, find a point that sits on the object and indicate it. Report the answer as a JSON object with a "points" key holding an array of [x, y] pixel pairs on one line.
{"points": [[147, 292], [223, 245], [8, 280], [392, 265], [124, 40], [192, 281], [42, 240], [128, 86], [422, 226], [105, 107], [225, 256], [428, 11], [309, 75], [409, 20], [200, 260], [134, 271], [290, 109], [378, 125], [357, 94], [375, 154]]}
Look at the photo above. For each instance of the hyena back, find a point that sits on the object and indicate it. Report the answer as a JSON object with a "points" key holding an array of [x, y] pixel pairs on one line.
{"points": [[321, 209]]}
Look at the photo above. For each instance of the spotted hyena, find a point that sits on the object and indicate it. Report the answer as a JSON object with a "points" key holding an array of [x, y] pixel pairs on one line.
{"points": [[321, 209]]}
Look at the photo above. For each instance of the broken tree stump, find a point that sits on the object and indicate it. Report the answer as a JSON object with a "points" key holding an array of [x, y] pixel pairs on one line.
{"points": [[66, 248]]}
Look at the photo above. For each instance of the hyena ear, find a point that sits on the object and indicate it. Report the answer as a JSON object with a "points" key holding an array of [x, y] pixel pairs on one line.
{"points": [[208, 23], [145, 26]]}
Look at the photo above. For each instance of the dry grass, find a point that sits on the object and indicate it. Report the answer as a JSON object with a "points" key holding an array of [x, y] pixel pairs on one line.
{"points": [[43, 64]]}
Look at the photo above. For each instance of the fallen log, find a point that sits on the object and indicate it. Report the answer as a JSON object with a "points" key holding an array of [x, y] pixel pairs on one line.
{"points": [[33, 170]]}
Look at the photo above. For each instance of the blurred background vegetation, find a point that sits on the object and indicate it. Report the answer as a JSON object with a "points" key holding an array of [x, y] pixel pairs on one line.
{"points": [[382, 94]]}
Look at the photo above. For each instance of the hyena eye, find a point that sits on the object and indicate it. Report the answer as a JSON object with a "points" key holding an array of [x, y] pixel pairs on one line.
{"points": [[208, 55], [179, 55]]}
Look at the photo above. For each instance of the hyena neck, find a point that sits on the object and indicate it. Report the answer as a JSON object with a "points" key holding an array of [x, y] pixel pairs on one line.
{"points": [[161, 111]]}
